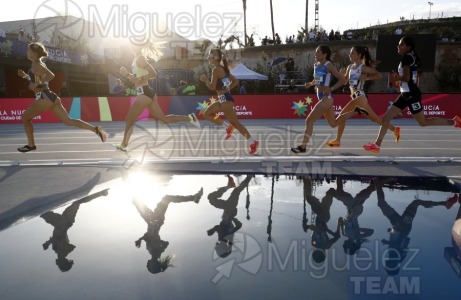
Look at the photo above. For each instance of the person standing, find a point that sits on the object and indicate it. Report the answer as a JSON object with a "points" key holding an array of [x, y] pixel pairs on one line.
{"points": [[243, 89], [410, 94]]}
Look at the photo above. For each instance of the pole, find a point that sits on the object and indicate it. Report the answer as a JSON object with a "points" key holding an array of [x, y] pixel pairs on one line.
{"points": [[307, 13]]}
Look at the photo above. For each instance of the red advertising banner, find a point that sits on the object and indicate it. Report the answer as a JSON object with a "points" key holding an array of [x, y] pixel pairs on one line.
{"points": [[297, 106]]}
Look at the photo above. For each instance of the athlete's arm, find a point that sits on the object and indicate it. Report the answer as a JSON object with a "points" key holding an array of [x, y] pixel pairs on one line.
{"points": [[406, 74], [214, 79], [341, 79], [346, 75], [44, 73], [371, 74], [124, 72], [234, 81]]}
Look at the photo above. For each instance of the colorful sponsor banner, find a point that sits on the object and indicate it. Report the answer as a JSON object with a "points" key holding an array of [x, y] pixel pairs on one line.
{"points": [[97, 109]]}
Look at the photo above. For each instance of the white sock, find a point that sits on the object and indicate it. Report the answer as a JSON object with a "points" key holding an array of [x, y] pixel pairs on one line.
{"points": [[226, 123], [251, 140]]}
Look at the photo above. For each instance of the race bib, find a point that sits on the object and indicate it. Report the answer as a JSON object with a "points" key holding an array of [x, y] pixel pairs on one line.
{"points": [[38, 96], [358, 94], [222, 98], [140, 91], [416, 106]]}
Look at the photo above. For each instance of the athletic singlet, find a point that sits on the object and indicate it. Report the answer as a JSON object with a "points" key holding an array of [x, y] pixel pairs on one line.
{"points": [[321, 75], [351, 227], [354, 78], [138, 71], [409, 60], [35, 78], [223, 83]]}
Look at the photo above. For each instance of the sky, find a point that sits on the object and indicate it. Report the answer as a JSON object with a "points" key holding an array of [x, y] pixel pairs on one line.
{"points": [[212, 18]]}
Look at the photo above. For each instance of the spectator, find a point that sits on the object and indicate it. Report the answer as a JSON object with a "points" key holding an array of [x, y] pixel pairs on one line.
{"points": [[278, 41], [118, 89], [180, 89], [2, 36], [3, 92], [350, 35], [130, 92], [292, 89], [337, 36], [311, 35], [331, 36], [22, 36], [64, 92], [243, 89], [390, 88], [251, 41], [374, 36], [189, 89], [264, 41]]}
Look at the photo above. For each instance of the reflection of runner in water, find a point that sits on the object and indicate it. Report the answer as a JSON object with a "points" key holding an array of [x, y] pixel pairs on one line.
{"points": [[354, 208], [453, 254], [229, 223], [401, 226], [155, 219], [59, 241], [320, 239]]}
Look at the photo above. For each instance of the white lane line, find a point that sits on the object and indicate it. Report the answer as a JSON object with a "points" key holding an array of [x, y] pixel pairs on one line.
{"points": [[266, 160], [207, 150]]}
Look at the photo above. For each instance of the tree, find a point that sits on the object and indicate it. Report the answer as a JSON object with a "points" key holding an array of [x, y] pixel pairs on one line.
{"points": [[245, 21]]}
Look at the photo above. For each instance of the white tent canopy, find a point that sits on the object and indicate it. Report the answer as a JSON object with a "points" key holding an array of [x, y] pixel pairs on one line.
{"points": [[242, 72]]}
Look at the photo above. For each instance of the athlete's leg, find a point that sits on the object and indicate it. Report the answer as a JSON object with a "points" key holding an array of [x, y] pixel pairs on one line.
{"points": [[136, 109], [156, 112], [319, 109], [422, 121], [60, 112], [231, 116], [391, 113], [211, 111], [36, 108]]}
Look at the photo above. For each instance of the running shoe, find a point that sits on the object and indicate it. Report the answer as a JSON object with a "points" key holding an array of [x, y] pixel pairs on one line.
{"points": [[298, 150], [333, 143], [119, 147], [451, 201], [254, 147], [360, 111], [101, 133], [229, 131], [193, 120], [457, 120], [397, 134], [371, 147], [27, 148], [198, 196]]}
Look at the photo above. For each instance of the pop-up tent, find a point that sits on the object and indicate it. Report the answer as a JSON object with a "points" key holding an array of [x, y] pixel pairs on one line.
{"points": [[243, 73]]}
